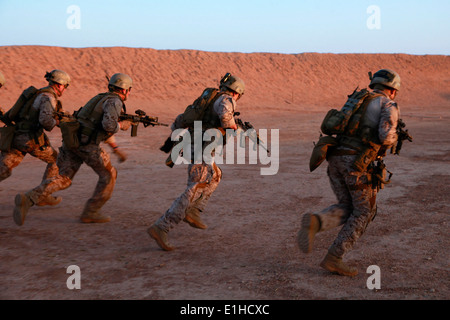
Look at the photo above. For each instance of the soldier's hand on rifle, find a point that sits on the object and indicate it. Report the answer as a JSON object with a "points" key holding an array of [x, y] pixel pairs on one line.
{"points": [[125, 125]]}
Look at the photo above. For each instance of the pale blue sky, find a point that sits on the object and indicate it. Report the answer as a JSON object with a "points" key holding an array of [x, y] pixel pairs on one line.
{"points": [[284, 26]]}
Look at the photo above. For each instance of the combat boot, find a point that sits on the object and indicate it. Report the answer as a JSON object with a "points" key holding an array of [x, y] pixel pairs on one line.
{"points": [[193, 218], [23, 204], [93, 217], [49, 201], [335, 264], [305, 237], [160, 236]]}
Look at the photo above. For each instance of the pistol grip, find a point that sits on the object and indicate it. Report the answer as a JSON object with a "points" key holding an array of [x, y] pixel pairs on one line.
{"points": [[134, 128]]}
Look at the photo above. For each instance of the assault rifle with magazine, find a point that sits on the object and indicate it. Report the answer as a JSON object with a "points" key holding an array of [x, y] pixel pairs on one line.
{"points": [[402, 136], [246, 126], [140, 117]]}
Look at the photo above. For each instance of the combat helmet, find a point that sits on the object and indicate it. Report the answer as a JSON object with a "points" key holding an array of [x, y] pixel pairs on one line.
{"points": [[386, 77], [121, 80], [59, 77], [2, 80], [233, 83]]}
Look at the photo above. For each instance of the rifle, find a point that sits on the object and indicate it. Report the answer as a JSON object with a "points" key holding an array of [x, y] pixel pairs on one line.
{"points": [[380, 175], [140, 117], [64, 115], [402, 136], [245, 126]]}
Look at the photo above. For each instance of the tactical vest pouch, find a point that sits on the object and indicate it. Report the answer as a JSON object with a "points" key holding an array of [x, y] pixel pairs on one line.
{"points": [[319, 153], [70, 135], [353, 125], [366, 156], [333, 123], [6, 138]]}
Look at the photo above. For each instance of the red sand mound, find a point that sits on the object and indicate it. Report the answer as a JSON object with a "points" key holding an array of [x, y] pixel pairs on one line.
{"points": [[166, 80]]}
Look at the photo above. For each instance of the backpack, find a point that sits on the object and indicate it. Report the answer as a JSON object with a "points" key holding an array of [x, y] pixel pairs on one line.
{"points": [[21, 109], [346, 120], [198, 110], [26, 97]]}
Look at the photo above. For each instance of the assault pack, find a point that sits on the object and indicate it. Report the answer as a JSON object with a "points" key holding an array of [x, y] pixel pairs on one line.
{"points": [[21, 109], [21, 117], [347, 120], [343, 122], [199, 109]]}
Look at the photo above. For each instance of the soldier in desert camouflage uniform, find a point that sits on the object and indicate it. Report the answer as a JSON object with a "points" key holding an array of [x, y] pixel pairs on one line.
{"points": [[203, 178], [30, 138], [99, 120], [354, 190]]}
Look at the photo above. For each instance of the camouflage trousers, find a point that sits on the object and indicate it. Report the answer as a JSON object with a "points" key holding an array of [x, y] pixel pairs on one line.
{"points": [[203, 179], [356, 205], [69, 162], [23, 145]]}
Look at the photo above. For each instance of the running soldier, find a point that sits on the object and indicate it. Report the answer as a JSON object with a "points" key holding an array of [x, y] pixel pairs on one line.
{"points": [[203, 178], [99, 121], [30, 121], [355, 188]]}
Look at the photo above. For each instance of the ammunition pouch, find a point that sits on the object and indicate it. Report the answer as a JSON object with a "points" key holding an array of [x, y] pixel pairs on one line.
{"points": [[6, 138], [90, 133], [367, 151], [70, 134]]}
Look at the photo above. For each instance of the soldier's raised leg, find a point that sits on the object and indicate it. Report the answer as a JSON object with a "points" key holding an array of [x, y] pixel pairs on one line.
{"points": [[8, 161], [100, 162], [68, 164], [201, 179]]}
